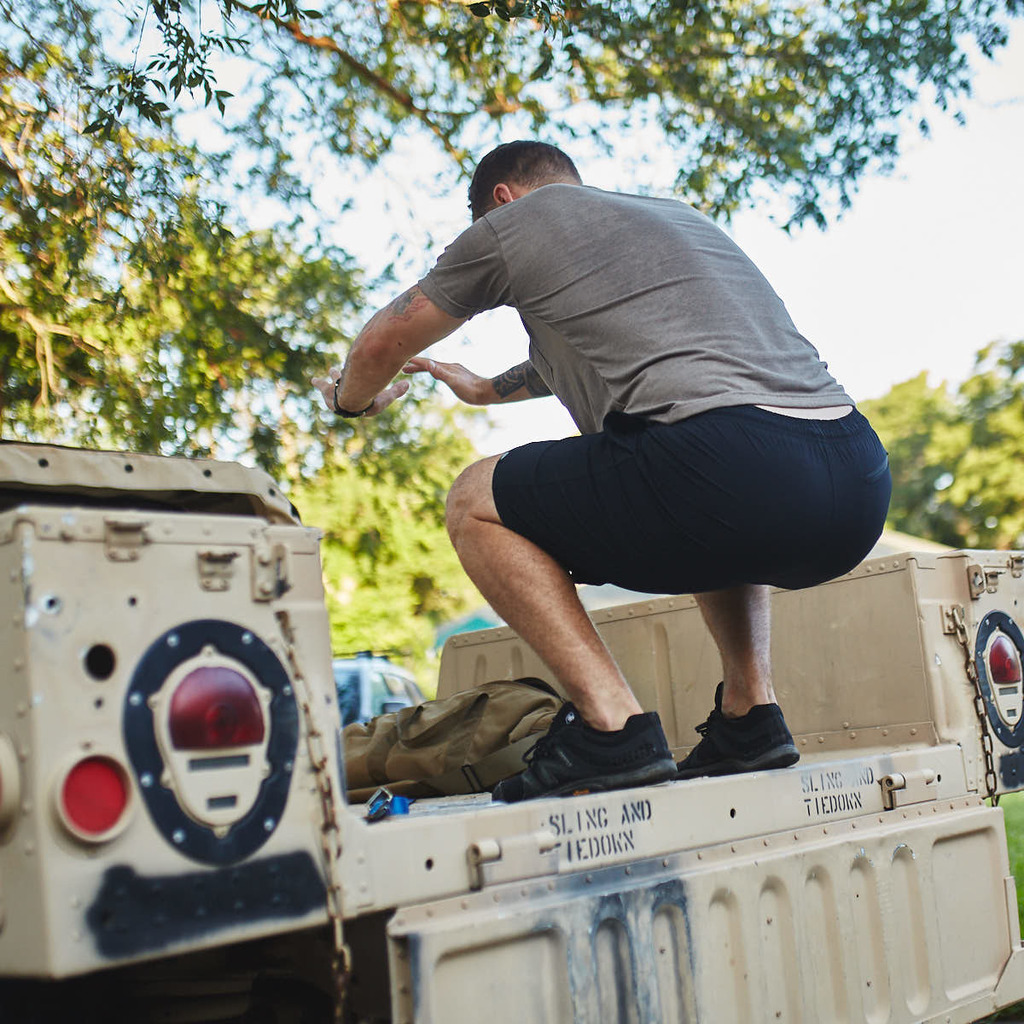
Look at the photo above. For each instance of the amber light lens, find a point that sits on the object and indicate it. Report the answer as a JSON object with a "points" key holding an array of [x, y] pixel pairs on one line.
{"points": [[213, 708], [94, 795], [1003, 661]]}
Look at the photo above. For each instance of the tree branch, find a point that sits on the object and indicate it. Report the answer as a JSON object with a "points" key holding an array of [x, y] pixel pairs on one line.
{"points": [[368, 75]]}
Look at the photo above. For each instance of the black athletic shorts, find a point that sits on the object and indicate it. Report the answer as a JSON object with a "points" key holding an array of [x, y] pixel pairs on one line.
{"points": [[734, 495]]}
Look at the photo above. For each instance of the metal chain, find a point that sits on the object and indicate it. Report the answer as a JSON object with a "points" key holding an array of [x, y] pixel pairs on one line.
{"points": [[330, 833], [959, 623]]}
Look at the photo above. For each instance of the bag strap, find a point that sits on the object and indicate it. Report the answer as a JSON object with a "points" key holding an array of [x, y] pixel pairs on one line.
{"points": [[481, 776]]}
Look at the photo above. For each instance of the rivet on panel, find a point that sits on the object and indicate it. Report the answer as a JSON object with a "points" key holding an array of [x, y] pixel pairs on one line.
{"points": [[853, 735], [497, 897], [588, 879], [629, 871], [821, 739], [464, 904]]}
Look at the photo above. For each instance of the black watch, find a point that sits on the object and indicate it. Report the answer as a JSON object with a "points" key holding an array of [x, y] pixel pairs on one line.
{"points": [[347, 413]]}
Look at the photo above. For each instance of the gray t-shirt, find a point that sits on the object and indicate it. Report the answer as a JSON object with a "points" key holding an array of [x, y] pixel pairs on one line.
{"points": [[633, 305]]}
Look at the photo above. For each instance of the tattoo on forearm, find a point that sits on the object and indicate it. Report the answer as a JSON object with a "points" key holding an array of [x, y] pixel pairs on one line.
{"points": [[522, 376]]}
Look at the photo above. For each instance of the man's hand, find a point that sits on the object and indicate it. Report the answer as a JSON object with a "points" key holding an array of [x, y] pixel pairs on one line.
{"points": [[470, 387], [325, 385], [514, 385]]}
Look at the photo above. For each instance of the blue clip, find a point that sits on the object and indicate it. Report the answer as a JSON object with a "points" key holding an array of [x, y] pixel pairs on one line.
{"points": [[379, 805]]}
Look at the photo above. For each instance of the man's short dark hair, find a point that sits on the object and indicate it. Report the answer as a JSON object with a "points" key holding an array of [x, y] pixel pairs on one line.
{"points": [[525, 163]]}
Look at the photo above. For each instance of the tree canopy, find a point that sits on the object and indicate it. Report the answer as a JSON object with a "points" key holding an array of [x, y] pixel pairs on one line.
{"points": [[956, 456], [801, 98], [172, 288]]}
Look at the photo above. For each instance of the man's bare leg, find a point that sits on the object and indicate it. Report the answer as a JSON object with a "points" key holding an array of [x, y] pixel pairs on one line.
{"points": [[740, 623], [536, 597]]}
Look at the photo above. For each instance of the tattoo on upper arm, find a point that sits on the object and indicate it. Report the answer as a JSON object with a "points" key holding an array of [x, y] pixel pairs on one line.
{"points": [[522, 376], [406, 303]]}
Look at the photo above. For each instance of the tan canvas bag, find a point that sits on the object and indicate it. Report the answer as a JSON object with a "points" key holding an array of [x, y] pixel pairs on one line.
{"points": [[465, 743]]}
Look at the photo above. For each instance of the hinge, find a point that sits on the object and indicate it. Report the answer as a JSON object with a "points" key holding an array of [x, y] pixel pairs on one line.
{"points": [[902, 788], [982, 580], [1016, 566], [512, 858], [270, 571], [216, 569], [124, 537]]}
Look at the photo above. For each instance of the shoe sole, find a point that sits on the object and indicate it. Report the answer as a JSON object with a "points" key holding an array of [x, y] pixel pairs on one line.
{"points": [[780, 757], [660, 771]]}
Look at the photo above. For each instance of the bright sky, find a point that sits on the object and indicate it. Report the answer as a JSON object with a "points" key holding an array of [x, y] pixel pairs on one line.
{"points": [[926, 268]]}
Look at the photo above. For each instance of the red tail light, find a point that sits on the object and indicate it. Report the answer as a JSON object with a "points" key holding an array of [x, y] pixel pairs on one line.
{"points": [[1004, 661], [94, 796], [215, 707]]}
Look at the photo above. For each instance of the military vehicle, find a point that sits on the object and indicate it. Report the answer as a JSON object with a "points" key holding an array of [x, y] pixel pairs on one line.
{"points": [[175, 843]]}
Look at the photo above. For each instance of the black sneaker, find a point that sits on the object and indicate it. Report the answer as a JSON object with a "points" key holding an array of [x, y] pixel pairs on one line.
{"points": [[572, 758], [757, 740]]}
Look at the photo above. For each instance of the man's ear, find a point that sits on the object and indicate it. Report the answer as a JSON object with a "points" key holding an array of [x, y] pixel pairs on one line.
{"points": [[502, 194]]}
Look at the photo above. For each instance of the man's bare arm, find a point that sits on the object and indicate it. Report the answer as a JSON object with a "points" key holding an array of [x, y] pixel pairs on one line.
{"points": [[519, 383], [405, 326]]}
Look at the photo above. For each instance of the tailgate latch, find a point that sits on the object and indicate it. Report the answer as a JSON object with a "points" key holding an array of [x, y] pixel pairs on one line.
{"points": [[512, 858], [902, 788]]}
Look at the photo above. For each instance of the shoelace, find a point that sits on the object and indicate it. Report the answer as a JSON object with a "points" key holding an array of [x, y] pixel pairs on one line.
{"points": [[702, 729], [541, 748]]}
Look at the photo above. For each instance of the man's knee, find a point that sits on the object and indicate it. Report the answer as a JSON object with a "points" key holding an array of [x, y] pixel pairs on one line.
{"points": [[471, 497]]}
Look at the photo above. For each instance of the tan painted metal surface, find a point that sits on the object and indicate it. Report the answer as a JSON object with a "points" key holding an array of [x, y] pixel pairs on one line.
{"points": [[95, 605], [869, 883]]}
